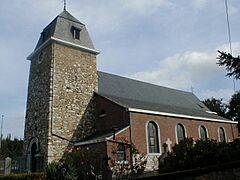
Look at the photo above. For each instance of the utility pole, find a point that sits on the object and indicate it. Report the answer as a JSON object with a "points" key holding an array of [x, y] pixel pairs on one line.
{"points": [[1, 133]]}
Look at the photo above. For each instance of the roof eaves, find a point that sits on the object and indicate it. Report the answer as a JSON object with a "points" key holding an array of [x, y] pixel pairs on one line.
{"points": [[111, 100], [94, 51], [180, 115], [94, 141], [118, 132]]}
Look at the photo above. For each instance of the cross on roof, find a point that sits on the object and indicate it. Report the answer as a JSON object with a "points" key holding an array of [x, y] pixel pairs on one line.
{"points": [[65, 4]]}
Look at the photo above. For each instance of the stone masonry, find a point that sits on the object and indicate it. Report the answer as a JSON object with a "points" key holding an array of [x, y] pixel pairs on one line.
{"points": [[38, 104], [73, 106], [62, 82], [60, 107]]}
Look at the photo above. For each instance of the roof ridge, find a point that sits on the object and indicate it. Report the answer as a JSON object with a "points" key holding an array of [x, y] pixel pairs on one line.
{"points": [[66, 15]]}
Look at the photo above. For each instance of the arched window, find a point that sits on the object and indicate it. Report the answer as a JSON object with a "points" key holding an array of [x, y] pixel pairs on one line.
{"points": [[203, 133], [181, 134], [153, 142], [222, 135], [121, 154]]}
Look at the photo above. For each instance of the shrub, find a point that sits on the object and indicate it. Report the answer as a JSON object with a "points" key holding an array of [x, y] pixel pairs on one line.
{"points": [[32, 176], [60, 171], [84, 163], [189, 154]]}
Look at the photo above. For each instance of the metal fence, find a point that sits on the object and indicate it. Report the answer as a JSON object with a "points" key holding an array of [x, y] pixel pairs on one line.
{"points": [[12, 166]]}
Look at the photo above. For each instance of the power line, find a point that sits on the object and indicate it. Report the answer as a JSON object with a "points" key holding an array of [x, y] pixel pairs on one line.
{"points": [[228, 26], [229, 36]]}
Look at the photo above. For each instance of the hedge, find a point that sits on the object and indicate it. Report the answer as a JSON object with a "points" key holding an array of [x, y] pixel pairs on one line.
{"points": [[25, 176]]}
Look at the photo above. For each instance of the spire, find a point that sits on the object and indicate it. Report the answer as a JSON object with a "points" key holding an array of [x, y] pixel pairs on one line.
{"points": [[65, 4]]}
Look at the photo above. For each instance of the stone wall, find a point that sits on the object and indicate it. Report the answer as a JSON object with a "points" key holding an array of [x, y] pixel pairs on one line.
{"points": [[37, 111], [60, 106], [73, 106]]}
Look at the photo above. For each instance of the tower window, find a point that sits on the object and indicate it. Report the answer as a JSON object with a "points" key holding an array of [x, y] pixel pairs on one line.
{"points": [[76, 32]]}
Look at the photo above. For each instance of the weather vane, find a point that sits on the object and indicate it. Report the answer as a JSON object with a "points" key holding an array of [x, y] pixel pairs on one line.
{"points": [[65, 3]]}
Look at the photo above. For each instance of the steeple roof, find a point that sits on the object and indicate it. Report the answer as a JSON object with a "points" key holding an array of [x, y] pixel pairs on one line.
{"points": [[65, 14], [62, 28]]}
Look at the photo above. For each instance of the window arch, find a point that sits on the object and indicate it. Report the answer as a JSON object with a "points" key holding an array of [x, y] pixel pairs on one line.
{"points": [[153, 140], [181, 133], [203, 133], [121, 152], [222, 134]]}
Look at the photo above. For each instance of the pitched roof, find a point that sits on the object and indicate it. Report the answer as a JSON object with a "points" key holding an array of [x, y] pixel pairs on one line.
{"points": [[61, 28], [65, 14], [141, 95]]}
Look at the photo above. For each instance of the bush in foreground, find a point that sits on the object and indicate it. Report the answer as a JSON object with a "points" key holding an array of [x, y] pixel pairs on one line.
{"points": [[190, 154], [25, 176]]}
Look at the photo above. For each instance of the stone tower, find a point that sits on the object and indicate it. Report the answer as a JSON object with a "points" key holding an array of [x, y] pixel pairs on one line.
{"points": [[60, 104]]}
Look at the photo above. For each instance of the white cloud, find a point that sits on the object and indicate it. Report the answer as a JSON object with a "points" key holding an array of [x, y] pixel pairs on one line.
{"points": [[224, 94], [181, 71], [199, 4], [146, 6]]}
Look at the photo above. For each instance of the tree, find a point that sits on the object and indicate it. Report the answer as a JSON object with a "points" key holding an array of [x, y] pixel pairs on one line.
{"points": [[190, 154], [216, 105], [11, 148], [232, 64], [234, 107]]}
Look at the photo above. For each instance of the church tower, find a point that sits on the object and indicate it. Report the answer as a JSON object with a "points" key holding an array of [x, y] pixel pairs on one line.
{"points": [[60, 105]]}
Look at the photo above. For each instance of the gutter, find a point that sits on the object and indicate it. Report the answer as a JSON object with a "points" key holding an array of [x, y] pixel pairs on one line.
{"points": [[180, 115]]}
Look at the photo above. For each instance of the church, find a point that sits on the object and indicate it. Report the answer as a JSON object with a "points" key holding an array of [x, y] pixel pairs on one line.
{"points": [[71, 104]]}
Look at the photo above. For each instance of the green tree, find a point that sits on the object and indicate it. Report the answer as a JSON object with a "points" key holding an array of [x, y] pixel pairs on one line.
{"points": [[234, 107], [216, 105], [190, 154], [11, 148], [231, 63]]}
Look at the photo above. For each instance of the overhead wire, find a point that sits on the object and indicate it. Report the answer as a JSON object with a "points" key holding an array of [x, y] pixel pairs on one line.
{"points": [[229, 36]]}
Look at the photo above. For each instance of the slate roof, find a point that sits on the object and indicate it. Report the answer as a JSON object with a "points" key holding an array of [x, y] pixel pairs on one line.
{"points": [[61, 28], [131, 93], [95, 138]]}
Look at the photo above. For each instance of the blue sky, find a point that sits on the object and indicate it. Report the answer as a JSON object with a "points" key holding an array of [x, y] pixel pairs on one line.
{"points": [[171, 43]]}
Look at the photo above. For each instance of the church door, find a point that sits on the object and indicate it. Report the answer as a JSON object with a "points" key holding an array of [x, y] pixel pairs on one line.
{"points": [[33, 157]]}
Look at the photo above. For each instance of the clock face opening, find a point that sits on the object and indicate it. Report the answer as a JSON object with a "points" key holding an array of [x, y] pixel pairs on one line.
{"points": [[40, 57]]}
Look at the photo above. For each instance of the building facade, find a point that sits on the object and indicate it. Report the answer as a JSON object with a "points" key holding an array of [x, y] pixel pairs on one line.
{"points": [[70, 103]]}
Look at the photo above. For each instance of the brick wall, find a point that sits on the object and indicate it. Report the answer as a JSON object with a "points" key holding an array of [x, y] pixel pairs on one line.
{"points": [[115, 115], [167, 127], [96, 153]]}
